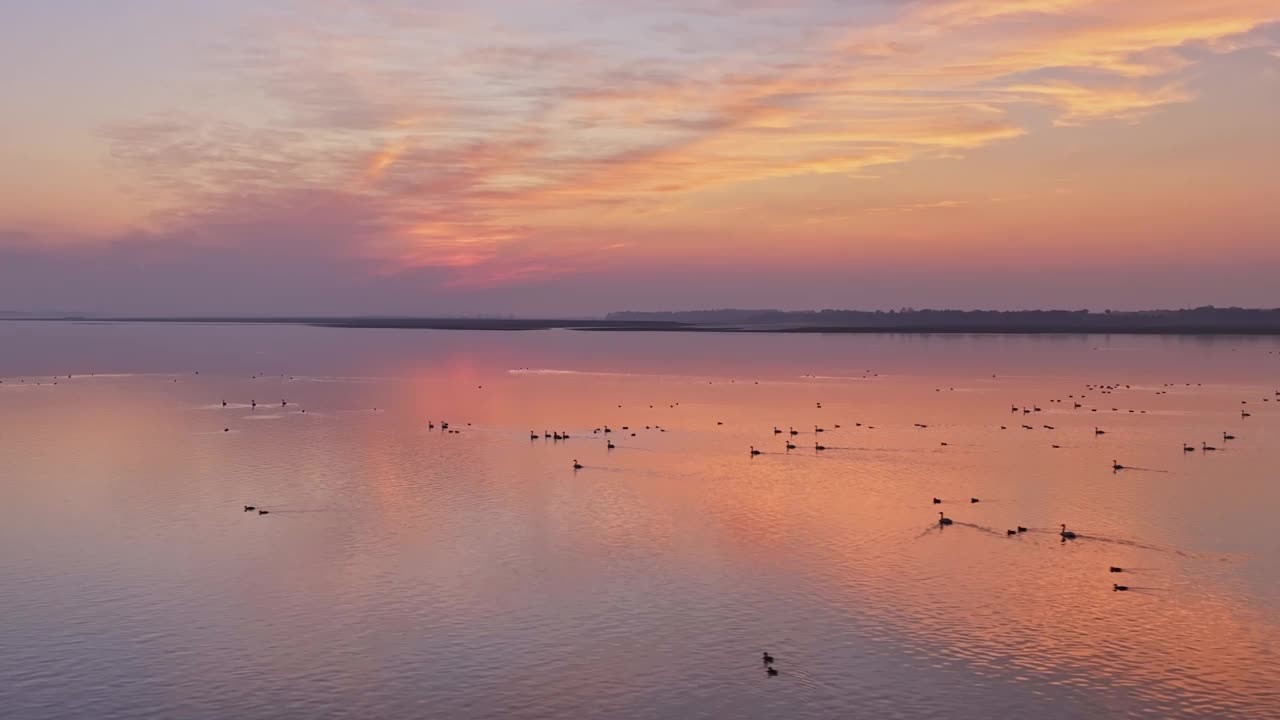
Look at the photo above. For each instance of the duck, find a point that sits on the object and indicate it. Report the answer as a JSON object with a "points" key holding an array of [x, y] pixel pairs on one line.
{"points": [[776, 431], [767, 658], [1187, 448], [936, 501], [794, 432], [791, 445], [1119, 588], [1113, 568], [817, 446], [754, 451], [1226, 436], [1116, 466], [1206, 447], [1011, 533], [249, 508], [1021, 529], [771, 671], [1067, 534], [608, 445], [533, 435], [264, 512], [1097, 431], [973, 500], [577, 465], [943, 519]]}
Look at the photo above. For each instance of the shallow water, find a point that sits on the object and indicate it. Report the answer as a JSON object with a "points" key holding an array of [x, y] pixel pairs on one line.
{"points": [[405, 572]]}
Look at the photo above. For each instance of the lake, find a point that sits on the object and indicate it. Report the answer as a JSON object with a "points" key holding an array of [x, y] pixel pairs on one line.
{"points": [[405, 571]]}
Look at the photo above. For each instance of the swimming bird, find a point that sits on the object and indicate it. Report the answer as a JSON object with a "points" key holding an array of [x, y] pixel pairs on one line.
{"points": [[767, 658], [577, 465], [936, 501], [1050, 427], [249, 508], [263, 512], [1116, 466], [1113, 568], [1096, 431], [226, 429], [533, 435], [973, 500], [1021, 529], [1206, 447], [776, 431], [1067, 534], [1119, 588], [1244, 414], [790, 445], [771, 671], [818, 429], [794, 431], [608, 445], [754, 451], [1011, 532], [943, 519], [224, 403], [816, 446], [1187, 448], [1225, 436]]}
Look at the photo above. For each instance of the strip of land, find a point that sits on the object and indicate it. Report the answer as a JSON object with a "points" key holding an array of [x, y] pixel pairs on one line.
{"points": [[1198, 321]]}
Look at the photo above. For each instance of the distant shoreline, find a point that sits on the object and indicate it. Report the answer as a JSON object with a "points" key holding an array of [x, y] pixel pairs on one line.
{"points": [[516, 325]]}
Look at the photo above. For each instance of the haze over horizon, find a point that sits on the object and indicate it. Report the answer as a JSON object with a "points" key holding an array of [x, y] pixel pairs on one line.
{"points": [[575, 158]]}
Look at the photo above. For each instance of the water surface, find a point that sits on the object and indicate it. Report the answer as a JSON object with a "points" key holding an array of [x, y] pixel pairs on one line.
{"points": [[407, 572]]}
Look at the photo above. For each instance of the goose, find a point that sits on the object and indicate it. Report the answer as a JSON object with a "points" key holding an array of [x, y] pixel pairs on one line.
{"points": [[577, 465], [1113, 568], [1050, 427], [1119, 588], [767, 658], [1021, 529], [1067, 534], [943, 519]]}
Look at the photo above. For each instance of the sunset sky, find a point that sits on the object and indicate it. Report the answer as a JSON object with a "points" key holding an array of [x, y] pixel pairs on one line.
{"points": [[574, 156]]}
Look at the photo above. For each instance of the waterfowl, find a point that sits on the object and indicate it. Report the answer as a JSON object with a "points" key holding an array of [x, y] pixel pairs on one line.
{"points": [[533, 435], [936, 501], [973, 500], [754, 451], [608, 445], [1187, 448], [816, 446], [1096, 431], [1067, 534], [1244, 414], [224, 403], [767, 658], [226, 429], [776, 431], [1113, 568], [1225, 436], [577, 465], [1021, 529], [943, 519], [790, 445], [1011, 532], [794, 431], [1206, 447], [771, 671], [818, 429], [249, 508], [1119, 588], [264, 512], [1116, 466]]}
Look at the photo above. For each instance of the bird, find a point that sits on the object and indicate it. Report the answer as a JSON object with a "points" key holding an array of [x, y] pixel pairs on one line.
{"points": [[816, 446], [533, 435], [1244, 414], [1206, 447], [771, 671], [1116, 466], [1113, 568], [973, 500], [263, 512], [818, 429], [608, 444], [776, 431], [1097, 431], [1119, 588], [943, 519], [936, 501], [1021, 529], [791, 445], [1011, 532], [1226, 436], [754, 451], [1187, 448], [224, 403], [794, 431], [1067, 534], [577, 465], [249, 508], [767, 658]]}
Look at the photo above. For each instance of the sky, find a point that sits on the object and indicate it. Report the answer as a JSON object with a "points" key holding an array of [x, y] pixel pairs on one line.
{"points": [[537, 157]]}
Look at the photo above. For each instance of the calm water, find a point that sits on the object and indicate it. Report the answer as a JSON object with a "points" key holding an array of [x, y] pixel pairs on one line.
{"points": [[404, 572]]}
